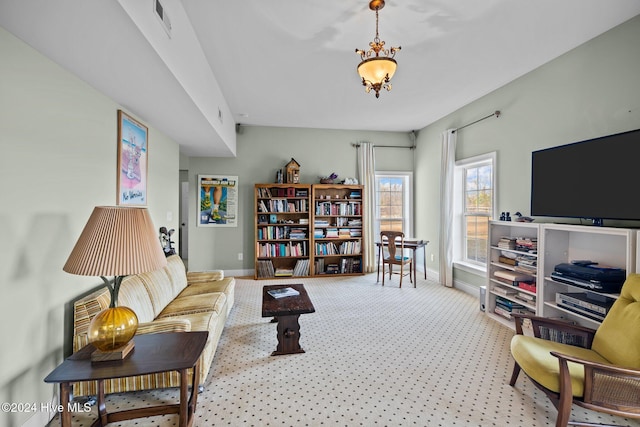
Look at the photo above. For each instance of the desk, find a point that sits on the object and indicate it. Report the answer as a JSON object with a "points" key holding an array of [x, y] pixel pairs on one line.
{"points": [[414, 245], [286, 312], [153, 353]]}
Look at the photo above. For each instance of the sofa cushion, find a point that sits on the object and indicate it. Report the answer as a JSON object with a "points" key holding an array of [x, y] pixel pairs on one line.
{"points": [[193, 304], [225, 285], [533, 356], [616, 339], [159, 289], [134, 294], [177, 273]]}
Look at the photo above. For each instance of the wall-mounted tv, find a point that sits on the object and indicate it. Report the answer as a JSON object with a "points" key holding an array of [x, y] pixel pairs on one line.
{"points": [[596, 179]]}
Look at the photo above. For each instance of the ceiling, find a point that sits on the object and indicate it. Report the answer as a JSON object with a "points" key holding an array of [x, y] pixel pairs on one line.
{"points": [[292, 63]]}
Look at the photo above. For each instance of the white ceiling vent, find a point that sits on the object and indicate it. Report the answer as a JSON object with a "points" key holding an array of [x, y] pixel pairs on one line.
{"points": [[161, 13]]}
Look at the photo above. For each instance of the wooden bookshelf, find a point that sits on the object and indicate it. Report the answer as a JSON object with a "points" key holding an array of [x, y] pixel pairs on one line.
{"points": [[282, 237], [336, 232], [304, 230]]}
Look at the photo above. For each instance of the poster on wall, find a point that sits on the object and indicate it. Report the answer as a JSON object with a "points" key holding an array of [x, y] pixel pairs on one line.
{"points": [[132, 160], [217, 201]]}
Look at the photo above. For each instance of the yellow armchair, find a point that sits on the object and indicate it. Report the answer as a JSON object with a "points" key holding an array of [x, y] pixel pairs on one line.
{"points": [[595, 369]]}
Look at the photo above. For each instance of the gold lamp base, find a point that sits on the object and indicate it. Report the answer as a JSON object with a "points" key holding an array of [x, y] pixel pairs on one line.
{"points": [[111, 332]]}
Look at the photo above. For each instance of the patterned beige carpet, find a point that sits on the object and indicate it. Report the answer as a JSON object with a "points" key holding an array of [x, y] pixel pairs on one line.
{"points": [[375, 356]]}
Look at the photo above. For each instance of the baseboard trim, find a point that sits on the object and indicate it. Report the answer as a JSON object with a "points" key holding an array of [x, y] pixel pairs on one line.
{"points": [[468, 288]]}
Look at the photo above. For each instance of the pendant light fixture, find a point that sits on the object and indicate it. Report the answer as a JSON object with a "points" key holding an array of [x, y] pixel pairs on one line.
{"points": [[377, 66]]}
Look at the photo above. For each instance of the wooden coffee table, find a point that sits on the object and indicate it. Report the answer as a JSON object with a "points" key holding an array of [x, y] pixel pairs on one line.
{"points": [[286, 312], [153, 353]]}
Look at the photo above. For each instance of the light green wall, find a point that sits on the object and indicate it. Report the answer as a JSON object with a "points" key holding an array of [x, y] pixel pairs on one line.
{"points": [[58, 137], [260, 152], [591, 91]]}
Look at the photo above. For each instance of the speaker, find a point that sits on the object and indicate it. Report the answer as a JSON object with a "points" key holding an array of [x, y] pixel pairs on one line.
{"points": [[483, 294]]}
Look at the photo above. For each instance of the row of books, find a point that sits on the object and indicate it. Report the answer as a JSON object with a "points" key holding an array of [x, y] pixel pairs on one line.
{"points": [[283, 205], [516, 279], [267, 193], [326, 248], [348, 222], [337, 233], [338, 208], [282, 249], [514, 293], [281, 232], [264, 268], [352, 247], [523, 244], [344, 266], [302, 267], [506, 308], [523, 263]]}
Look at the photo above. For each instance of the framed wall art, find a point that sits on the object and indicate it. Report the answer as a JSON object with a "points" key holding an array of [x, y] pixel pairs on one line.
{"points": [[133, 145], [217, 201]]}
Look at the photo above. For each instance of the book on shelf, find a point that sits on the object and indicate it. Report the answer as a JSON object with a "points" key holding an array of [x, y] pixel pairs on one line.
{"points": [[283, 292], [504, 291], [513, 276], [508, 261], [284, 272]]}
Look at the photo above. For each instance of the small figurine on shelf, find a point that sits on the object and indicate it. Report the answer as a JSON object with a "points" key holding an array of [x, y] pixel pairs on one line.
{"points": [[521, 218], [328, 179]]}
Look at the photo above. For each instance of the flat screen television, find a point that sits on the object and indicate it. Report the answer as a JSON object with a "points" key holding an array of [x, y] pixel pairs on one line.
{"points": [[595, 179]]}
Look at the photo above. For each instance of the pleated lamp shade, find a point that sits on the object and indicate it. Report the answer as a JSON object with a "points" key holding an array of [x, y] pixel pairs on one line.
{"points": [[117, 241]]}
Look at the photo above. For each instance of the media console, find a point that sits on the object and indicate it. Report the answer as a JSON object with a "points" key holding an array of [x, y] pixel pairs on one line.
{"points": [[555, 244]]}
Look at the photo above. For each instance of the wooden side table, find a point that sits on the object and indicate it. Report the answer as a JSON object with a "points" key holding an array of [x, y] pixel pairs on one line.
{"points": [[286, 312], [153, 353]]}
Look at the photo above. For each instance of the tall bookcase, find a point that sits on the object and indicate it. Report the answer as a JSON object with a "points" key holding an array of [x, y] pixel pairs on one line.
{"points": [[282, 218], [337, 229]]}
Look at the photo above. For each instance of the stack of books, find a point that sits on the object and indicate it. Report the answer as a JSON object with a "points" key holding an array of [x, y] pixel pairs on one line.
{"points": [[507, 243]]}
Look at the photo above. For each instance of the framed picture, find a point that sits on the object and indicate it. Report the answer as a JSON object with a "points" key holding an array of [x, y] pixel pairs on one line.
{"points": [[217, 201], [133, 148]]}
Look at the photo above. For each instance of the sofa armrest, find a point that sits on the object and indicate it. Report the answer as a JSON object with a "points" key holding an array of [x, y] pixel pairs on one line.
{"points": [[556, 330], [204, 276], [164, 325]]}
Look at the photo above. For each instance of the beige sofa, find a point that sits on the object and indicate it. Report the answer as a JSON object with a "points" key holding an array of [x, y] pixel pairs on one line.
{"points": [[166, 300]]}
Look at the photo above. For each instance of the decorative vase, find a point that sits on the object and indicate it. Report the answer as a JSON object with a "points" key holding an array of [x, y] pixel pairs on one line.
{"points": [[112, 328]]}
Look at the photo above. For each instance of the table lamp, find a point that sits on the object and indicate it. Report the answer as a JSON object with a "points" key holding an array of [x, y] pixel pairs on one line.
{"points": [[116, 241]]}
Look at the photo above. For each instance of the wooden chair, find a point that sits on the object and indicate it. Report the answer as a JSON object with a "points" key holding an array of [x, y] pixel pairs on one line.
{"points": [[393, 243], [598, 370]]}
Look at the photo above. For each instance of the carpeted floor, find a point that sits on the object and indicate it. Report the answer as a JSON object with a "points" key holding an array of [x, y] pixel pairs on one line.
{"points": [[375, 356]]}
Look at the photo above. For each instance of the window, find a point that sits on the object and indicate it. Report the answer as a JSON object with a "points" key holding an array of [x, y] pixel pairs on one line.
{"points": [[475, 185], [394, 198]]}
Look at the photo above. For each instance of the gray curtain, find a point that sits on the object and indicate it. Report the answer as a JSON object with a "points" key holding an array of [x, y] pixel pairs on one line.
{"points": [[448, 163]]}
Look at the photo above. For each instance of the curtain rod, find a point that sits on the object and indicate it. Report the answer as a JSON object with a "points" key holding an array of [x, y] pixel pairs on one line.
{"points": [[495, 113], [386, 146]]}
